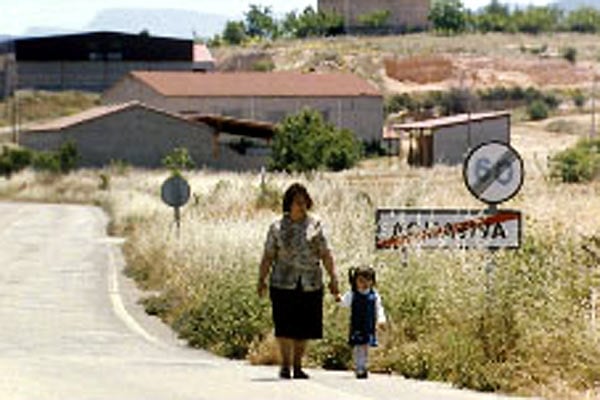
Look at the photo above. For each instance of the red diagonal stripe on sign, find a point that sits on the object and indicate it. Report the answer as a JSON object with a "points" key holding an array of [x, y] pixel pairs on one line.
{"points": [[457, 227]]}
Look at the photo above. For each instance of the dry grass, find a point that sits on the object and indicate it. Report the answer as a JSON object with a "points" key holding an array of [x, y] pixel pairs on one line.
{"points": [[39, 105]]}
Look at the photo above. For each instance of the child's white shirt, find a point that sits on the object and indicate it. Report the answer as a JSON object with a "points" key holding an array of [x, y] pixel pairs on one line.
{"points": [[379, 311]]}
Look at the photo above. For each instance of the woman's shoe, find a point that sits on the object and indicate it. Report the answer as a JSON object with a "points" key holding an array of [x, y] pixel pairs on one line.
{"points": [[284, 373], [299, 374]]}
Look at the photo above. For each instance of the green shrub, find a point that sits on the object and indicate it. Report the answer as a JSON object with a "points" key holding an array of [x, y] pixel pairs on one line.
{"points": [[62, 161], [570, 54], [577, 164], [305, 142], [46, 161], [578, 98], [263, 66], [178, 159], [13, 160], [229, 318], [537, 110]]}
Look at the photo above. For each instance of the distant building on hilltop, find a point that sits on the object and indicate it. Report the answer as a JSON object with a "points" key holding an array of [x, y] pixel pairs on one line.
{"points": [[405, 15]]}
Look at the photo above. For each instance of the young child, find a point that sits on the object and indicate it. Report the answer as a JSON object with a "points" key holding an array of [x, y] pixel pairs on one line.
{"points": [[366, 312]]}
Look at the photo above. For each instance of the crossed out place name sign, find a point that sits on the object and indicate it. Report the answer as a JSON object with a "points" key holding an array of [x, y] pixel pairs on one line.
{"points": [[493, 172], [441, 228]]}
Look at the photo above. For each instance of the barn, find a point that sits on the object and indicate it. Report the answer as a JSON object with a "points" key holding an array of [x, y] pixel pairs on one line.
{"points": [[140, 135], [94, 61], [447, 140], [345, 100]]}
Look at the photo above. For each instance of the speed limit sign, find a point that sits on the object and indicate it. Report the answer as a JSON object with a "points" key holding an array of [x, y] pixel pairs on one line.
{"points": [[493, 172]]}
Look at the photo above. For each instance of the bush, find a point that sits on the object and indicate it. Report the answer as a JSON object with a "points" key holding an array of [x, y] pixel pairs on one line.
{"points": [[62, 161], [229, 319], [537, 110], [578, 164], [13, 160], [578, 98], [306, 142], [178, 159], [570, 54]]}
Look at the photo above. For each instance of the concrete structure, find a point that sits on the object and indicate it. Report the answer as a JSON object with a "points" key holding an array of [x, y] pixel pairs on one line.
{"points": [[405, 15], [448, 140], [95, 61], [345, 100], [141, 136]]}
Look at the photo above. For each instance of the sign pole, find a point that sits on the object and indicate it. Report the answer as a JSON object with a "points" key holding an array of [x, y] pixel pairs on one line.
{"points": [[175, 192]]}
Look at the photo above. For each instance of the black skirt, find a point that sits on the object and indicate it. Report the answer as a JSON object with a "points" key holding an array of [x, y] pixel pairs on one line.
{"points": [[297, 314]]}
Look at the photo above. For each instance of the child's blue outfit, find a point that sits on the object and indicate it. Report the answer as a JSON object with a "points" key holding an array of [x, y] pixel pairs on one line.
{"points": [[366, 311]]}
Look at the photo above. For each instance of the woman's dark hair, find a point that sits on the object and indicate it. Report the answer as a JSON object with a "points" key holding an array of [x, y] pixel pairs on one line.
{"points": [[366, 271], [294, 190]]}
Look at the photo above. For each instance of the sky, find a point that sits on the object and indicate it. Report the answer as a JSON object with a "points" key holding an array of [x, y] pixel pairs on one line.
{"points": [[16, 16]]}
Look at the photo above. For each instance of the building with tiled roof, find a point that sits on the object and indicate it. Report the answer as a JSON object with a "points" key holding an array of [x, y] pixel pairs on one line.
{"points": [[345, 100], [141, 135]]}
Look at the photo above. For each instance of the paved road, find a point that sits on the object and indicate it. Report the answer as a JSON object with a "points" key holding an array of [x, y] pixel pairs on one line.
{"points": [[70, 328]]}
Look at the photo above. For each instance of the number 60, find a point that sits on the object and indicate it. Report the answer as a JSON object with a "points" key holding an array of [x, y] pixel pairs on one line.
{"points": [[501, 172]]}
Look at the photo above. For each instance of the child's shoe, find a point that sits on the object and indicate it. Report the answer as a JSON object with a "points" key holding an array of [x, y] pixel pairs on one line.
{"points": [[362, 374]]}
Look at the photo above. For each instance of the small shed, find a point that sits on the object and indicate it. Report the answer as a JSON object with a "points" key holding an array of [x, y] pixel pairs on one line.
{"points": [[447, 140]]}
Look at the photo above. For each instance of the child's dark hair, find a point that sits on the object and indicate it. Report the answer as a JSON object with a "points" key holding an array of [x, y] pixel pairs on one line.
{"points": [[366, 271]]}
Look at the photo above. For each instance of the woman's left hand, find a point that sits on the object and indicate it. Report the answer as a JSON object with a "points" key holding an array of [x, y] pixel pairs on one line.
{"points": [[334, 288]]}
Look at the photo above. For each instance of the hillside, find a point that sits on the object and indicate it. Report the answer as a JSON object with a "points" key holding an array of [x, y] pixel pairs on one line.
{"points": [[471, 60]]}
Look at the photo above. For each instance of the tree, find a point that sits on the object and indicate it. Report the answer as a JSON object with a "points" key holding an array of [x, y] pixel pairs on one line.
{"points": [[448, 16], [305, 142], [495, 17], [260, 22], [312, 23], [584, 19], [537, 19], [234, 32]]}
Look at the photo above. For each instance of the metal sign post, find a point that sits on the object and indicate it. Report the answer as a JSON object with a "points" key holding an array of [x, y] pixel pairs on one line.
{"points": [[175, 192], [493, 173]]}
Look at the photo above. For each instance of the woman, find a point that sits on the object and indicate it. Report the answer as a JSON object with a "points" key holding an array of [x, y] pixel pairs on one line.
{"points": [[294, 250]]}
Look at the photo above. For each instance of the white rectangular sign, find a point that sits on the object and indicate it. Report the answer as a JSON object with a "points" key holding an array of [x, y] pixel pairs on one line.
{"points": [[440, 228]]}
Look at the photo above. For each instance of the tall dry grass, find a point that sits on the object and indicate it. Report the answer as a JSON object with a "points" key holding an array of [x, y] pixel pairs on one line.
{"points": [[526, 328]]}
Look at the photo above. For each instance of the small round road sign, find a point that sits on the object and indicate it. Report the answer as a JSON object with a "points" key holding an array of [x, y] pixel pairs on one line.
{"points": [[175, 191], [493, 172]]}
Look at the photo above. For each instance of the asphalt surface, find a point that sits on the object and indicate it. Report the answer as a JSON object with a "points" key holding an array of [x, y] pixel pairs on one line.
{"points": [[71, 328]]}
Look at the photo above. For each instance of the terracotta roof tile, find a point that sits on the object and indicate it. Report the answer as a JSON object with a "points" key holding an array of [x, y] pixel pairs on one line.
{"points": [[258, 84]]}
